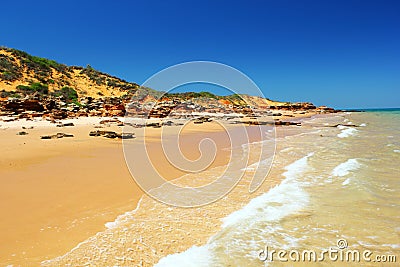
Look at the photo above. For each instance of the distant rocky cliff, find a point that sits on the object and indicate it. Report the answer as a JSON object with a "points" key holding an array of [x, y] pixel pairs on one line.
{"points": [[31, 86]]}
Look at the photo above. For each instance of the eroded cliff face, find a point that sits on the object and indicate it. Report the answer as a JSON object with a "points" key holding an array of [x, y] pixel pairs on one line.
{"points": [[31, 86], [18, 68]]}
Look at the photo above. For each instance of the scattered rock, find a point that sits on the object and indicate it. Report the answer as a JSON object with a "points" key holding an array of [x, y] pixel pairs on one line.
{"points": [[168, 123], [22, 133], [56, 136], [10, 119], [111, 121], [202, 120], [112, 135], [339, 124], [154, 125], [287, 123], [127, 135], [65, 124]]}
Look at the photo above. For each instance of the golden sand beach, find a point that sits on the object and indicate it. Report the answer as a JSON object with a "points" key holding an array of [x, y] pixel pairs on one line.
{"points": [[57, 193]]}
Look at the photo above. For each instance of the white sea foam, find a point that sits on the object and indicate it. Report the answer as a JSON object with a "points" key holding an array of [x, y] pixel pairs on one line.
{"points": [[346, 131], [282, 200], [286, 149], [288, 194], [193, 257], [394, 246], [396, 151], [363, 124], [344, 168], [346, 182], [259, 164], [126, 217]]}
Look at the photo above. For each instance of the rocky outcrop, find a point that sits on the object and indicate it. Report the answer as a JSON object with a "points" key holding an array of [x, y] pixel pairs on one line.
{"points": [[37, 87], [17, 105], [56, 136], [112, 135], [294, 106]]}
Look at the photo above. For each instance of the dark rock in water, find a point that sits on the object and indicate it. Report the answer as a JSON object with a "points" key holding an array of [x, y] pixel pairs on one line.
{"points": [[339, 124], [22, 133]]}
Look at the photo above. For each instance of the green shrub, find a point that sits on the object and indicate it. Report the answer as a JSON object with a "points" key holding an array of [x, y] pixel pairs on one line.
{"points": [[4, 94], [42, 89], [68, 93], [9, 70], [37, 63], [190, 95], [9, 76], [94, 75]]}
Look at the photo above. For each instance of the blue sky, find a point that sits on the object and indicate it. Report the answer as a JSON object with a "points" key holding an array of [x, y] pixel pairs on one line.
{"points": [[344, 54]]}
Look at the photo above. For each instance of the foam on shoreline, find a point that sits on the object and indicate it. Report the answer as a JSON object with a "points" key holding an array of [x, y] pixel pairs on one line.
{"points": [[346, 131], [345, 168], [282, 200]]}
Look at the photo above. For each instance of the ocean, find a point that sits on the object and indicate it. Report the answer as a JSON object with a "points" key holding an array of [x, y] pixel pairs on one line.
{"points": [[341, 192], [332, 198]]}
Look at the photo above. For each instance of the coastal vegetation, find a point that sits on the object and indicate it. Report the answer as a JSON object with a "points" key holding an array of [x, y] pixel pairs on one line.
{"points": [[18, 68]]}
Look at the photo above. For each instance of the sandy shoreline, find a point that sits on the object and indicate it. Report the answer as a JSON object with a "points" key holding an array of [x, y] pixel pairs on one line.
{"points": [[65, 209]]}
